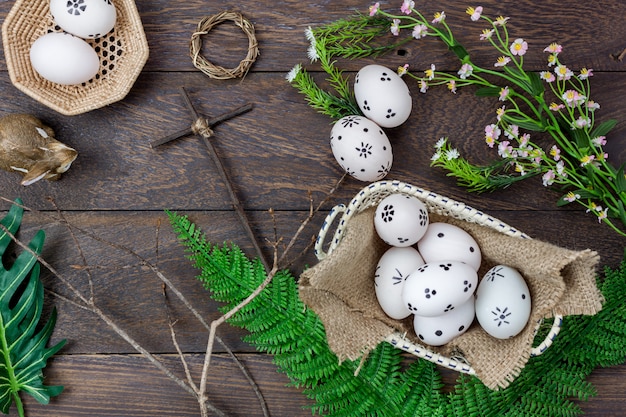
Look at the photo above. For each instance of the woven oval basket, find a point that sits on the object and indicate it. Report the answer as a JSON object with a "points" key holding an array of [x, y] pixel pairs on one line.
{"points": [[369, 197], [122, 52]]}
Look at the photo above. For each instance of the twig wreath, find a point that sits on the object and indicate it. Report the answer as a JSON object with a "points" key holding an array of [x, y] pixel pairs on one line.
{"points": [[216, 71]]}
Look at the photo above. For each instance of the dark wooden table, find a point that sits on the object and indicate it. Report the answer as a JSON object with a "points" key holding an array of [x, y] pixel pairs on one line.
{"points": [[276, 154]]}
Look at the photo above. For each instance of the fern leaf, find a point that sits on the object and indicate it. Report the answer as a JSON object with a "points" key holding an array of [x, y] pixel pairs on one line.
{"points": [[23, 351], [280, 324]]}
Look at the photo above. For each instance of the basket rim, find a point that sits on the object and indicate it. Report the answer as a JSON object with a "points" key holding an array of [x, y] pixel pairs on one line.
{"points": [[79, 104], [434, 203]]}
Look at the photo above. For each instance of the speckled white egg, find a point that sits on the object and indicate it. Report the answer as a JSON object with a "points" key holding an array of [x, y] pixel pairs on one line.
{"points": [[439, 330], [393, 267], [84, 18], [361, 148], [382, 95], [64, 59], [444, 241], [503, 302], [401, 220], [437, 288]]}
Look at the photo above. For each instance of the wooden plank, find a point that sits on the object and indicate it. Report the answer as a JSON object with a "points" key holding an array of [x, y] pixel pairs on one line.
{"points": [[280, 32], [112, 385], [117, 170], [131, 294]]}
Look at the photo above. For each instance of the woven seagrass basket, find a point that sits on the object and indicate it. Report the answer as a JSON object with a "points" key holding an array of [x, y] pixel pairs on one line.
{"points": [[369, 197], [123, 52]]}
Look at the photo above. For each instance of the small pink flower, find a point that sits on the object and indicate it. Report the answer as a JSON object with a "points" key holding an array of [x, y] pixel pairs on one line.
{"points": [[548, 178], [423, 85], [504, 149], [452, 86], [586, 160], [599, 140], [465, 71], [555, 153], [474, 12], [573, 98], [571, 197], [547, 76], [374, 8], [420, 31], [407, 5], [502, 61], [581, 123], [512, 132], [563, 73], [519, 47], [552, 60], [487, 34], [554, 48], [592, 105], [602, 215], [504, 93], [500, 112], [395, 27], [492, 131], [585, 73], [556, 107], [430, 73], [439, 17], [500, 21], [403, 69], [560, 169]]}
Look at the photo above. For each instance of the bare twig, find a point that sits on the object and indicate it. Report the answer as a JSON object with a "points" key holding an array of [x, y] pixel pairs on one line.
{"points": [[170, 324]]}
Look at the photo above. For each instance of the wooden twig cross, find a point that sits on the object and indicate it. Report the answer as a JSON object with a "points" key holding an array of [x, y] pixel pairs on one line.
{"points": [[202, 128]]}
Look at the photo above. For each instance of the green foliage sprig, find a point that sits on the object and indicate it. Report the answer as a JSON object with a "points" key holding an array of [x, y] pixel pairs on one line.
{"points": [[23, 351], [281, 325], [555, 102]]}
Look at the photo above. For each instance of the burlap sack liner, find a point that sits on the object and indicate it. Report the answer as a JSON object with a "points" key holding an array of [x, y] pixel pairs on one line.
{"points": [[340, 289]]}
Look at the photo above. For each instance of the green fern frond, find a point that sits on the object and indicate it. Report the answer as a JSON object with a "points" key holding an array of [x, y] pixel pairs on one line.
{"points": [[280, 324], [23, 351]]}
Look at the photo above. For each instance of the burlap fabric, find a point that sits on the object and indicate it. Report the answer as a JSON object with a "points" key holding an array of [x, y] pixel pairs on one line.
{"points": [[340, 289]]}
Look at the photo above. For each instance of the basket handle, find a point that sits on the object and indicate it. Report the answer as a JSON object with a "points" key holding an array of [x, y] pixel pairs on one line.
{"points": [[321, 236]]}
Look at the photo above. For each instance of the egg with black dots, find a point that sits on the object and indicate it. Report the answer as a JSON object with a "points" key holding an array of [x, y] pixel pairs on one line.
{"points": [[445, 241], [361, 148], [503, 302], [442, 329], [401, 220], [382, 95]]}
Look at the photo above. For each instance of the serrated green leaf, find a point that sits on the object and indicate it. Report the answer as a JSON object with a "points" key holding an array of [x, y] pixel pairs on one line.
{"points": [[460, 51], [528, 124], [521, 77], [12, 222], [23, 352], [488, 92], [604, 128], [620, 179], [536, 84]]}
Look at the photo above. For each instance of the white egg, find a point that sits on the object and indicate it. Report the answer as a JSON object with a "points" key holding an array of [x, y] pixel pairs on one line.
{"points": [[392, 269], [437, 288], [64, 59], [503, 302], [447, 242], [84, 18], [361, 148], [382, 95], [439, 330], [401, 220]]}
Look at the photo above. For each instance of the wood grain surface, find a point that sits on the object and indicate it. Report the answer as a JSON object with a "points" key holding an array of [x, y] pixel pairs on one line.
{"points": [[115, 193]]}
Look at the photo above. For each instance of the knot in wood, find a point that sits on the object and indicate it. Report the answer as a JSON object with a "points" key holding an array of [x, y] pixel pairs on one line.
{"points": [[201, 127]]}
